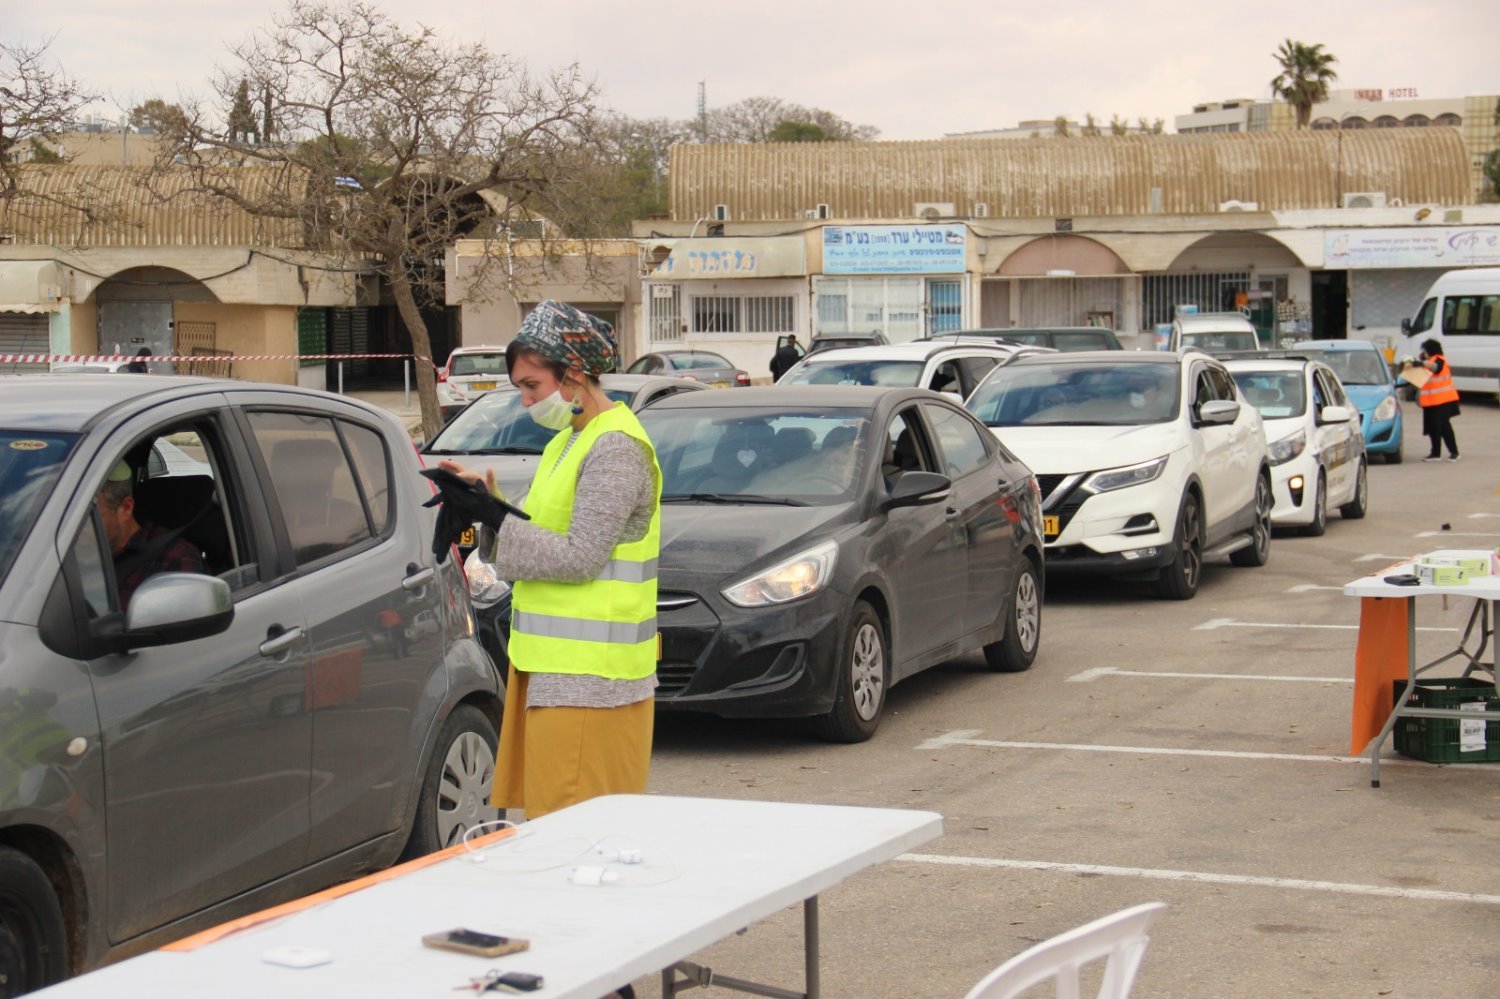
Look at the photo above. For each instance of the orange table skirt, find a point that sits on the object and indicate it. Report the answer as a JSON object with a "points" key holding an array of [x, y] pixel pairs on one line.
{"points": [[1380, 659]]}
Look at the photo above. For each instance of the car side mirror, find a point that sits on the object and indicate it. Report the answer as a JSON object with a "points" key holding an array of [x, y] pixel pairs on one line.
{"points": [[1217, 412], [1335, 414], [917, 489], [174, 607]]}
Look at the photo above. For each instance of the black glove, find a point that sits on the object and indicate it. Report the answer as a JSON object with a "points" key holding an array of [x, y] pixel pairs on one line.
{"points": [[462, 504]]}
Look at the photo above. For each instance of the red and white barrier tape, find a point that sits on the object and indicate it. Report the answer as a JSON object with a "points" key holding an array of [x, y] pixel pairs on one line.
{"points": [[153, 359]]}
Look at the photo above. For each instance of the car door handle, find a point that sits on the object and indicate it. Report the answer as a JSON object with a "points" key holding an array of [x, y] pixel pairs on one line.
{"points": [[275, 645], [417, 578]]}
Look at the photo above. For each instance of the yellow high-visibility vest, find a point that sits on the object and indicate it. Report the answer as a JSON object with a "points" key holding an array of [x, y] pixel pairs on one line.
{"points": [[606, 626]]}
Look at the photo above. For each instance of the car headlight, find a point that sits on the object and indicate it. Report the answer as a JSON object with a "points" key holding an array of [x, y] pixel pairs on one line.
{"points": [[1130, 475], [485, 586], [801, 575], [1387, 408], [1288, 448]]}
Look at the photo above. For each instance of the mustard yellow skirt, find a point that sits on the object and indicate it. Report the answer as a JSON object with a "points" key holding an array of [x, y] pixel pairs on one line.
{"points": [[551, 758]]}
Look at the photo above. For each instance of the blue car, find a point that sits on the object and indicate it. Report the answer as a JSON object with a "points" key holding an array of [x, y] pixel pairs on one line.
{"points": [[1367, 379]]}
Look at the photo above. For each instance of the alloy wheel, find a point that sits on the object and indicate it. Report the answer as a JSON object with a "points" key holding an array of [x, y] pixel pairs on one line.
{"points": [[1028, 620], [867, 672]]}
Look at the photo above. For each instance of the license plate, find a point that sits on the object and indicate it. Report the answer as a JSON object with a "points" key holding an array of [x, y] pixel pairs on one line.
{"points": [[719, 384], [481, 386], [467, 539], [1049, 527]]}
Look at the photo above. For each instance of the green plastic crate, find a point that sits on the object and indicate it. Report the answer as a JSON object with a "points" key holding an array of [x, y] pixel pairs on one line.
{"points": [[1435, 740]]}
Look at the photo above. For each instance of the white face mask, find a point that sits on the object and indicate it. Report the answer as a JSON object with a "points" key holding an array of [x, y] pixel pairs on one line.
{"points": [[553, 412]]}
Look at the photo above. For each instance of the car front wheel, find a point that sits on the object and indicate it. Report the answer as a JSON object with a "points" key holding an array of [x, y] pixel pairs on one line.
{"points": [[33, 935], [861, 680], [1356, 507], [1178, 579], [1258, 551], [1016, 651], [1320, 510], [455, 792]]}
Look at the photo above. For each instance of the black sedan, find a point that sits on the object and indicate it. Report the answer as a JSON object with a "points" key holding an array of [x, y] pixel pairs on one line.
{"points": [[820, 545]]}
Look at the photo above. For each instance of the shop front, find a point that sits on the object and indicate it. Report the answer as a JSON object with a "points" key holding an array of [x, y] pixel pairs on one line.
{"points": [[1059, 280], [902, 281]]}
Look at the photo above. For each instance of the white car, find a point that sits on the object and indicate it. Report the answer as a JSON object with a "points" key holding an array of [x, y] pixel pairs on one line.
{"points": [[1215, 332], [469, 374], [1317, 450], [1148, 463], [955, 367]]}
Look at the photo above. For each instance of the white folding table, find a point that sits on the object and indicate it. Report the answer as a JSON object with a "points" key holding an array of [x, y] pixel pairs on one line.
{"points": [[709, 868], [1483, 590]]}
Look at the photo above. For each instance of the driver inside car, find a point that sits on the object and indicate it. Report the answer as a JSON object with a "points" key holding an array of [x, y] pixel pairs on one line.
{"points": [[140, 548]]}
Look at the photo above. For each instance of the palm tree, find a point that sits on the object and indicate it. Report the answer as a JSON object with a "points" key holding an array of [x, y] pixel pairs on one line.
{"points": [[1306, 72]]}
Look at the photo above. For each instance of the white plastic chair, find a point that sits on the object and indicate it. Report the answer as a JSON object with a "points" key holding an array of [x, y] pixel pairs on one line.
{"points": [[1120, 937]]}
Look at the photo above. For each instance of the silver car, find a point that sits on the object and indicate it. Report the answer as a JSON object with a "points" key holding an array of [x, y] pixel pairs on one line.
{"points": [[307, 701]]}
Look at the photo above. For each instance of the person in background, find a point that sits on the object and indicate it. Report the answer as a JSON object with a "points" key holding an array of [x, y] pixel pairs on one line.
{"points": [[1439, 401], [139, 366], [581, 691], [786, 355]]}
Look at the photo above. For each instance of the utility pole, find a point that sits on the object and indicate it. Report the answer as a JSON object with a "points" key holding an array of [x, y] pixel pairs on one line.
{"points": [[702, 110]]}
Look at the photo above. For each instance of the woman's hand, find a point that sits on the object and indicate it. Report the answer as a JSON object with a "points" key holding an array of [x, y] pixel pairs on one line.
{"points": [[469, 476]]}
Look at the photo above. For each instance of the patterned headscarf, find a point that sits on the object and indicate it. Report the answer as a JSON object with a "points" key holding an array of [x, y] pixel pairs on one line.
{"points": [[562, 333]]}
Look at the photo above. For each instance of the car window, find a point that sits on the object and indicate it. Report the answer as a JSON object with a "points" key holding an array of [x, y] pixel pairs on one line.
{"points": [[1082, 341], [372, 465], [975, 368], [820, 371], [1223, 384], [30, 463], [1423, 321], [1078, 394], [904, 448], [946, 379], [1203, 389], [313, 482], [188, 519], [477, 364], [699, 359], [806, 455], [1357, 367], [1320, 393], [959, 442], [1471, 314], [1330, 390], [1276, 394]]}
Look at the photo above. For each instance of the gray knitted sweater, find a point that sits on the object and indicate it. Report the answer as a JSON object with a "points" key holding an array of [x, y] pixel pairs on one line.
{"points": [[612, 503]]}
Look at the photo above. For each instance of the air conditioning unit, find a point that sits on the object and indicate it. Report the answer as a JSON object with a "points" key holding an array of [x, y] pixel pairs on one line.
{"points": [[1364, 199], [933, 210], [981, 210], [721, 213], [820, 212], [1239, 206]]}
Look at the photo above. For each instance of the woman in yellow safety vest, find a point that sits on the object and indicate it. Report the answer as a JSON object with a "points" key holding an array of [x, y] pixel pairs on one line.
{"points": [[580, 697], [1439, 401]]}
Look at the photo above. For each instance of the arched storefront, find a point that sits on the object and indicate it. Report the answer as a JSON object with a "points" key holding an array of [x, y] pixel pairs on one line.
{"points": [[1228, 272], [1058, 280], [138, 309]]}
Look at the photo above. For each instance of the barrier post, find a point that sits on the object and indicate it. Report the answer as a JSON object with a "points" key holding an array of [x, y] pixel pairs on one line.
{"points": [[341, 378], [406, 382]]}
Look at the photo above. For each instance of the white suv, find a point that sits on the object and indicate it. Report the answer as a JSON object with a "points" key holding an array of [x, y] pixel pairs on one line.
{"points": [[954, 367], [1148, 462], [469, 374]]}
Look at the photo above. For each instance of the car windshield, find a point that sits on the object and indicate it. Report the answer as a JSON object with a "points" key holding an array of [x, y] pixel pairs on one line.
{"points": [[771, 455], [1221, 341], [476, 364], [497, 423], [29, 466], [684, 362], [1277, 394], [1355, 367], [1103, 394], [855, 372], [1084, 340]]}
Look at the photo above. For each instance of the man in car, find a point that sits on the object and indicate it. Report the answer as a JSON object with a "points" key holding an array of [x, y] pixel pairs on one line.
{"points": [[140, 549]]}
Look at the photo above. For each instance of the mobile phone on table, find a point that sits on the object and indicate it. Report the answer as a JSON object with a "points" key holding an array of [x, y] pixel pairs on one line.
{"points": [[518, 981], [474, 942]]}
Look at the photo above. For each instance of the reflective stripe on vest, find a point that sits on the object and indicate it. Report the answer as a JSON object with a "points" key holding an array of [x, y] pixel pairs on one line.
{"points": [[607, 626], [582, 629], [1439, 388]]}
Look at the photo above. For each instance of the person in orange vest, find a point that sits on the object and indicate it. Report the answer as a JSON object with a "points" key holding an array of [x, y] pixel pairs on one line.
{"points": [[1439, 401]]}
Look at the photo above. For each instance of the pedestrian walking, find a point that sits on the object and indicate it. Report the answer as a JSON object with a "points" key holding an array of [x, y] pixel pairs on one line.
{"points": [[786, 355]]}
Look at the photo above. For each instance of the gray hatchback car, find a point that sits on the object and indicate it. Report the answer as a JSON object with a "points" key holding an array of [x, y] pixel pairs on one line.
{"points": [[307, 701]]}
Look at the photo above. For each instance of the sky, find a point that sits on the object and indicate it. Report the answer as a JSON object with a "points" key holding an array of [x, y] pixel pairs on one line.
{"points": [[913, 70]]}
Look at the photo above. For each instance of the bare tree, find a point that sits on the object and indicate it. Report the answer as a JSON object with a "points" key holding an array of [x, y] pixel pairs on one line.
{"points": [[389, 144], [754, 119], [37, 102]]}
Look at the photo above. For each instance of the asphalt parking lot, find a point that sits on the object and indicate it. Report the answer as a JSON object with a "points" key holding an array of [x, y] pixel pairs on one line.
{"points": [[1193, 753]]}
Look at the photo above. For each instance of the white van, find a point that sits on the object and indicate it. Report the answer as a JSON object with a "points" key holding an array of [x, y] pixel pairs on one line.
{"points": [[1462, 312], [1215, 332]]}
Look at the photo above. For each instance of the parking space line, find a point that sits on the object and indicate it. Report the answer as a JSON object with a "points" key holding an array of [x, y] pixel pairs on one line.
{"points": [[1306, 587], [1213, 624], [1391, 559], [970, 737], [1479, 516], [1090, 675], [1205, 877], [1456, 534]]}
